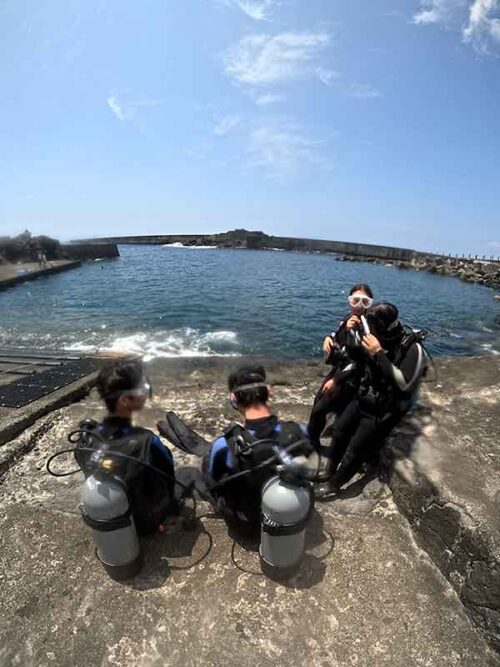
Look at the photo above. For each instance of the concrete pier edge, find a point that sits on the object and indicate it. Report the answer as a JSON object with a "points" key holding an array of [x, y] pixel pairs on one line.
{"points": [[33, 275], [15, 422]]}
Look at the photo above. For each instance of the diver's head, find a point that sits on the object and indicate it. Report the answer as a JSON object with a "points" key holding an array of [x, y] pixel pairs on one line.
{"points": [[360, 298], [383, 322], [123, 387], [249, 391]]}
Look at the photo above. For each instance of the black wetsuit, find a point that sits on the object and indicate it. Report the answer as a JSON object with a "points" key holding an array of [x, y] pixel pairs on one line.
{"points": [[336, 400], [384, 396], [151, 495]]}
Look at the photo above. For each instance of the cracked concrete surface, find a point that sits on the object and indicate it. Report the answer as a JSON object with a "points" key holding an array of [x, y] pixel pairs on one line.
{"points": [[367, 593]]}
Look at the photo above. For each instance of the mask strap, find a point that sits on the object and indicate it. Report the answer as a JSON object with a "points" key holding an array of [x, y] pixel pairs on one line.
{"points": [[251, 385]]}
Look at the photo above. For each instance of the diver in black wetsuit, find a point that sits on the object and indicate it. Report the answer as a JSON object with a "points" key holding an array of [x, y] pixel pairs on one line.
{"points": [[393, 366], [332, 396], [124, 388]]}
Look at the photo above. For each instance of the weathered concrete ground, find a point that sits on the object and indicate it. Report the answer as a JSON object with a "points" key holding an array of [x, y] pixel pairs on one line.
{"points": [[9, 275], [367, 594]]}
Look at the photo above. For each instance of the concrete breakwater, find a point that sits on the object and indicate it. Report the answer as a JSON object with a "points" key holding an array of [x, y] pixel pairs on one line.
{"points": [[89, 251], [13, 274], [471, 270], [241, 238]]}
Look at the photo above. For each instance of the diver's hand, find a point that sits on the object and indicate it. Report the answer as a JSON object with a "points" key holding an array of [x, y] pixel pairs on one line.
{"points": [[327, 345], [371, 345], [328, 386], [353, 323]]}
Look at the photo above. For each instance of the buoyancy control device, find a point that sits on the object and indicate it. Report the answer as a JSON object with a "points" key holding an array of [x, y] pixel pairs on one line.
{"points": [[106, 504], [271, 486]]}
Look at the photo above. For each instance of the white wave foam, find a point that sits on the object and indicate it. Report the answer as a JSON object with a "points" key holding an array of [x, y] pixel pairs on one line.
{"points": [[490, 349], [167, 344]]}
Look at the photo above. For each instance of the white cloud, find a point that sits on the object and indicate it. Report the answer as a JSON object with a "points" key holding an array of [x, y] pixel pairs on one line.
{"points": [[259, 10], [225, 124], [125, 107], [438, 11], [363, 91], [284, 149], [483, 29], [269, 98], [477, 20], [262, 60], [116, 108], [327, 76]]}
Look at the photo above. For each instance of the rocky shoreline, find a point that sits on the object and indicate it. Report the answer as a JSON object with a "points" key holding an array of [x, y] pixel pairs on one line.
{"points": [[476, 271]]}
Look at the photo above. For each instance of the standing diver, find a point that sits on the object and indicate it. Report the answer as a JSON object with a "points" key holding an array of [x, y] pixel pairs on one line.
{"points": [[332, 396], [246, 447], [393, 366], [123, 387]]}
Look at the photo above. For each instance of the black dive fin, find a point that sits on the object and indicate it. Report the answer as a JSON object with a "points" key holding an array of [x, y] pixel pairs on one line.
{"points": [[181, 436]]}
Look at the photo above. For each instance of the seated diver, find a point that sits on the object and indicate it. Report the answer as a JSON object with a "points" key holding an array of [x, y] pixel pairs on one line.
{"points": [[243, 448], [124, 389], [333, 396], [390, 373]]}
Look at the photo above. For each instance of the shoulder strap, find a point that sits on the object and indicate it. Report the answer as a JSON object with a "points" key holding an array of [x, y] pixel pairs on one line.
{"points": [[239, 439]]}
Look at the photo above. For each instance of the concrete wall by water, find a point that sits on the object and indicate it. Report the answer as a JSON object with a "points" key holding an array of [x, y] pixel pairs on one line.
{"points": [[84, 251], [259, 240]]}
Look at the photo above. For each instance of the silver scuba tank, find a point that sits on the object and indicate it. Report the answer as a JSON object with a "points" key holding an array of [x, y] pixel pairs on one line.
{"points": [[286, 508], [105, 509]]}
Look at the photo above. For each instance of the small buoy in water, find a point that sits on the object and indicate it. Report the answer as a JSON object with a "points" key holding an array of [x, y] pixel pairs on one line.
{"points": [[496, 297]]}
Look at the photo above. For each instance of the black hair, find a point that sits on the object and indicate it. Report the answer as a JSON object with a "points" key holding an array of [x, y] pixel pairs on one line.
{"points": [[362, 287], [380, 317], [117, 376], [249, 375]]}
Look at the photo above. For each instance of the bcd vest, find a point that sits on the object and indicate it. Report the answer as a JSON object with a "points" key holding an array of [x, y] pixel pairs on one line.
{"points": [[151, 495], [248, 451]]}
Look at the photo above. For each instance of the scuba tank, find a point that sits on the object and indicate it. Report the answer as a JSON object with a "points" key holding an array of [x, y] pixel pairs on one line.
{"points": [[105, 509], [115, 492], [286, 507]]}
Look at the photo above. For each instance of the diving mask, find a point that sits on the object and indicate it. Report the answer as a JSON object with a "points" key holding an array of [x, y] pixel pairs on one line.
{"points": [[360, 300]]}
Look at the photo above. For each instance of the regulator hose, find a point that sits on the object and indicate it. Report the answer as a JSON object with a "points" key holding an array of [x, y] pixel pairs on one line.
{"points": [[75, 436]]}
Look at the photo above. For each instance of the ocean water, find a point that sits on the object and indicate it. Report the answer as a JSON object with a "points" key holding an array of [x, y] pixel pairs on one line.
{"points": [[174, 301]]}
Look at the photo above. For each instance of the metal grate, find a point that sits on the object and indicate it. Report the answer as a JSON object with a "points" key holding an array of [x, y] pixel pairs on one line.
{"points": [[35, 386]]}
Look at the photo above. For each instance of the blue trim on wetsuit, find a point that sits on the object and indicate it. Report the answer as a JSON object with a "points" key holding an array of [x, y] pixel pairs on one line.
{"points": [[158, 446], [220, 444]]}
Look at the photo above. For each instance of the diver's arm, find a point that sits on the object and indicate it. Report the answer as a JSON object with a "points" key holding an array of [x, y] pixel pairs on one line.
{"points": [[162, 450], [405, 376], [218, 457], [337, 341]]}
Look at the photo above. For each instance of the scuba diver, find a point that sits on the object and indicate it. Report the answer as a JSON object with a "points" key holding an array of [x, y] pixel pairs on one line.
{"points": [[338, 346], [123, 387], [389, 376], [248, 447]]}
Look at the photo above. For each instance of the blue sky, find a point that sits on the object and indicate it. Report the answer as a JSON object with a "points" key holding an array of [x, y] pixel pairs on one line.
{"points": [[367, 120]]}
